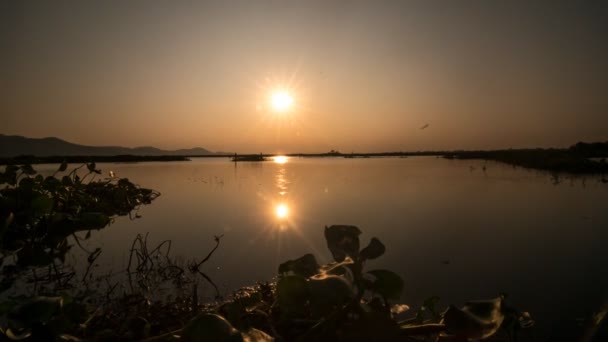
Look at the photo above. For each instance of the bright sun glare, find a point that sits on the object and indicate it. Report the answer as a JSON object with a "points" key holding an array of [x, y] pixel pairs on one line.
{"points": [[280, 159], [281, 211], [281, 100]]}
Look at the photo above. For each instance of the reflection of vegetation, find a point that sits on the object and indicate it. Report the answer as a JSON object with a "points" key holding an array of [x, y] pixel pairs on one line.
{"points": [[38, 214]]}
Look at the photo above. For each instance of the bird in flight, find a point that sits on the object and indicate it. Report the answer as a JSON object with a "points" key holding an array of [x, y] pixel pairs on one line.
{"points": [[425, 126]]}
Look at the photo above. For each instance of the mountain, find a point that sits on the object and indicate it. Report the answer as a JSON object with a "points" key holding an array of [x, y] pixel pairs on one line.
{"points": [[15, 145]]}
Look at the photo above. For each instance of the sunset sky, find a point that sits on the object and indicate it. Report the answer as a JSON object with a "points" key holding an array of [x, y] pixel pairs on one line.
{"points": [[359, 75]]}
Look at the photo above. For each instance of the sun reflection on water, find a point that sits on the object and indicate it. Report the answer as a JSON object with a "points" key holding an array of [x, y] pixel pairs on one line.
{"points": [[280, 159]]}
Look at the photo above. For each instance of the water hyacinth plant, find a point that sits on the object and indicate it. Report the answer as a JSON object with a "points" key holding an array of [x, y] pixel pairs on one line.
{"points": [[340, 301]]}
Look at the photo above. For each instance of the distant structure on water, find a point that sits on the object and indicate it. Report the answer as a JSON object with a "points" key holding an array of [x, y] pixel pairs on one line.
{"points": [[248, 157]]}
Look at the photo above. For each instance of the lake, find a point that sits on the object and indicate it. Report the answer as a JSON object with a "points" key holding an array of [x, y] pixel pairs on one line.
{"points": [[456, 229]]}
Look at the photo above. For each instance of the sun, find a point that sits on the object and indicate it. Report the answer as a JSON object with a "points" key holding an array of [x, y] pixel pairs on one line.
{"points": [[281, 100], [281, 211]]}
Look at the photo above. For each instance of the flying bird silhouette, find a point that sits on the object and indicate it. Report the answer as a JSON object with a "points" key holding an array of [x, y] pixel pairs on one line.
{"points": [[425, 126]]}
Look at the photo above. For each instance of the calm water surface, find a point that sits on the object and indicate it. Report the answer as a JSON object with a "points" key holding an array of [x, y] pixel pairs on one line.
{"points": [[450, 228]]}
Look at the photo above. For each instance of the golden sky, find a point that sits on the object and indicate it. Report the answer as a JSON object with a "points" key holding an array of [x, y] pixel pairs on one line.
{"points": [[363, 75]]}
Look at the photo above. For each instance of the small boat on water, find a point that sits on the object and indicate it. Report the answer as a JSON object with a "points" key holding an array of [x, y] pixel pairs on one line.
{"points": [[248, 158]]}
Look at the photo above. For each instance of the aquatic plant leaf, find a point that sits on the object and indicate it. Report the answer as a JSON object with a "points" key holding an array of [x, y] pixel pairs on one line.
{"points": [[337, 268], [305, 266], [343, 241], [374, 250], [328, 292], [26, 184], [42, 204], [397, 309], [93, 220], [9, 169], [31, 255], [28, 169], [10, 175], [7, 222], [36, 310], [255, 335], [476, 320], [63, 166], [210, 327], [429, 306], [6, 283], [387, 283], [17, 336], [66, 180], [91, 166], [7, 306], [292, 293]]}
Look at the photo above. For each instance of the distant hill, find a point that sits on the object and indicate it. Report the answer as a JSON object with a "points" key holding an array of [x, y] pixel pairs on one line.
{"points": [[15, 145]]}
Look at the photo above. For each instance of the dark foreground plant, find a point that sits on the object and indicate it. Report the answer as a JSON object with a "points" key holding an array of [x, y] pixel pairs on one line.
{"points": [[339, 301], [342, 302], [38, 214]]}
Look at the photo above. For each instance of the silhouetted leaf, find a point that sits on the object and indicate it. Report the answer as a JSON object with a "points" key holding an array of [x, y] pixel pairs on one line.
{"points": [[327, 292], [76, 312], [336, 268], [42, 204], [17, 336], [429, 306], [10, 175], [26, 184], [93, 220], [210, 327], [36, 310], [387, 283], [7, 306], [304, 266], [31, 255], [373, 250], [255, 335], [28, 169], [11, 169], [343, 241], [63, 166], [7, 222], [51, 183], [6, 283], [292, 293], [69, 338], [397, 309], [476, 320], [66, 180]]}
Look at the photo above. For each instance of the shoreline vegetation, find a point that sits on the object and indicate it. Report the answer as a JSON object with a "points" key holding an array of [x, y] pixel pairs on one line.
{"points": [[581, 158]]}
